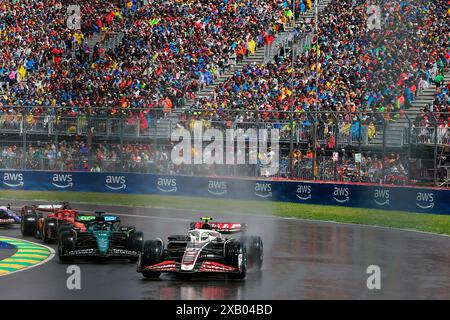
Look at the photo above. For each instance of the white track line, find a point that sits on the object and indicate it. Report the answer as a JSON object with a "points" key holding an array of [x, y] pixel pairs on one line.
{"points": [[142, 216], [131, 215], [368, 226], [268, 217], [50, 257]]}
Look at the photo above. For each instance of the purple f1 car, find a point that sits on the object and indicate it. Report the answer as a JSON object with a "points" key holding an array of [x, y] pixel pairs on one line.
{"points": [[8, 217]]}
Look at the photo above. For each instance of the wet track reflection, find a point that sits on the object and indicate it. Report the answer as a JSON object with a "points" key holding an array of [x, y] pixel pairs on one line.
{"points": [[302, 260], [200, 289]]}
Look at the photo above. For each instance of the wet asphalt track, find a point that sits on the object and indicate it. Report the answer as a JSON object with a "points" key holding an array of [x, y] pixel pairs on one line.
{"points": [[302, 260]]}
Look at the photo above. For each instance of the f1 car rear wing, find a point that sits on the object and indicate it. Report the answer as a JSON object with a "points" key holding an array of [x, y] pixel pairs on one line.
{"points": [[102, 218], [50, 207], [85, 218], [222, 227], [45, 207]]}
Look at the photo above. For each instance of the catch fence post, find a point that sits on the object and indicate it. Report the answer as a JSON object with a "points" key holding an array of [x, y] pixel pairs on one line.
{"points": [[435, 150], [24, 137]]}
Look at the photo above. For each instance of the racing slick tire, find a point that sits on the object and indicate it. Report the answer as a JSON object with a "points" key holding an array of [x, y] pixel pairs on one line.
{"points": [[177, 237], [28, 225], [64, 227], [135, 243], [26, 210], [66, 243], [151, 254], [255, 252], [127, 228], [49, 229], [232, 251]]}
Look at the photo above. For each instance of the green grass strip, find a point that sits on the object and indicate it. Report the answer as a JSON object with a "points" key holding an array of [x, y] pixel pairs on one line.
{"points": [[434, 223]]}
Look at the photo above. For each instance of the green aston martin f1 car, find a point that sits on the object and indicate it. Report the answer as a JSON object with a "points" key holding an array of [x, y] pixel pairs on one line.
{"points": [[103, 237]]}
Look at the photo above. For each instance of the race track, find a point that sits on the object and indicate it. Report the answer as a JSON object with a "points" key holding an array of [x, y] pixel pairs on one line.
{"points": [[302, 260]]}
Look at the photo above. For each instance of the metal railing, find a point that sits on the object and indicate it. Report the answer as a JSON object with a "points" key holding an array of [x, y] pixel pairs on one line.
{"points": [[344, 170], [430, 135], [305, 126], [323, 132]]}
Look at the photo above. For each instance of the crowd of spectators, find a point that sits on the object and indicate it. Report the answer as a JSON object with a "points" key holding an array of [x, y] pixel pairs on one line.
{"points": [[170, 49], [375, 74], [146, 158], [435, 116], [346, 167], [81, 156]]}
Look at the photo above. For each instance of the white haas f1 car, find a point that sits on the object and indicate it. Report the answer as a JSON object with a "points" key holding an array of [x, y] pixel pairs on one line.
{"points": [[203, 250]]}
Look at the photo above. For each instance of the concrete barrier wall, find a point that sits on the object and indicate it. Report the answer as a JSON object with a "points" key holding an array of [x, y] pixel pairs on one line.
{"points": [[414, 199]]}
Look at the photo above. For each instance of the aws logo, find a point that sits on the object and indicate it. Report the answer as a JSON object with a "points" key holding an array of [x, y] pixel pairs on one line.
{"points": [[217, 187], [13, 180], [263, 189], [303, 192], [62, 181], [167, 184], [381, 197], [341, 195], [425, 200], [115, 182]]}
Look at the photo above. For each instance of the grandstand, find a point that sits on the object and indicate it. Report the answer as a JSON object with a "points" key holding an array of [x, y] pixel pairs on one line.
{"points": [[108, 96]]}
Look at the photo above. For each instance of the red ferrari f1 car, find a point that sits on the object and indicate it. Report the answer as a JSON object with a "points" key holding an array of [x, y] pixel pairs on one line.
{"points": [[47, 221], [203, 250]]}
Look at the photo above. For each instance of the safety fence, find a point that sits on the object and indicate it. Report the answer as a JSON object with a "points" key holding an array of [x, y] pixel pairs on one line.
{"points": [[33, 141], [349, 127], [350, 132], [430, 135], [345, 170]]}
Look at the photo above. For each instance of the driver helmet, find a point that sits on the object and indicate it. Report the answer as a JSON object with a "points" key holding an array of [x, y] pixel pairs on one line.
{"points": [[206, 226]]}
